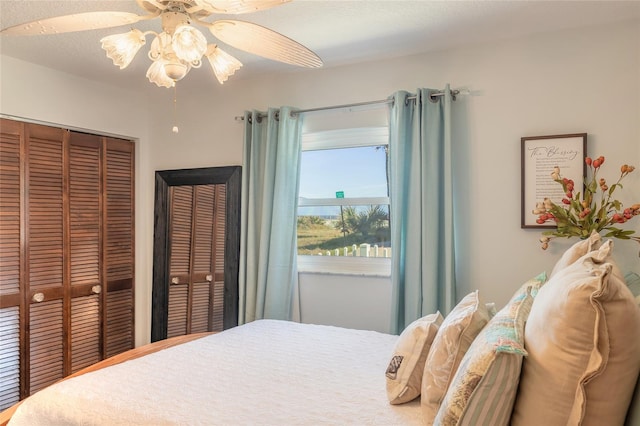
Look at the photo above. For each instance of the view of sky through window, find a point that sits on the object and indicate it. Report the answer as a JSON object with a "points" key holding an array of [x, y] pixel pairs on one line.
{"points": [[358, 172]]}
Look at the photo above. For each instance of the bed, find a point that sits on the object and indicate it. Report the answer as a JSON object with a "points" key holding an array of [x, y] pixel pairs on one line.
{"points": [[264, 372], [565, 349]]}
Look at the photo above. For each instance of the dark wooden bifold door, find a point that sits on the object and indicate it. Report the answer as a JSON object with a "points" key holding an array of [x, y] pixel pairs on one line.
{"points": [[66, 254], [196, 246]]}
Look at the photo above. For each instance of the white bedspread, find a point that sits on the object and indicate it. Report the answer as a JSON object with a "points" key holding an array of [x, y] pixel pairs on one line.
{"points": [[263, 373]]}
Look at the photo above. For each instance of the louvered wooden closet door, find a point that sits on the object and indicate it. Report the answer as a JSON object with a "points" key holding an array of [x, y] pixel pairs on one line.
{"points": [[84, 248], [196, 246], [202, 266], [180, 258], [119, 252], [10, 253], [45, 262], [66, 254]]}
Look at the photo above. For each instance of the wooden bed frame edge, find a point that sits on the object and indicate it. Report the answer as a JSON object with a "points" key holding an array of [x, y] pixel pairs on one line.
{"points": [[5, 415]]}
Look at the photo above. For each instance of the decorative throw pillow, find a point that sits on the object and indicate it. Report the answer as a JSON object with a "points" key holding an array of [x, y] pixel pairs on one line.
{"points": [[404, 374], [454, 337], [484, 388], [583, 340], [576, 251]]}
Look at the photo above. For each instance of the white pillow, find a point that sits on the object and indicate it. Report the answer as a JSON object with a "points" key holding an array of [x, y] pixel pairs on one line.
{"points": [[404, 374]]}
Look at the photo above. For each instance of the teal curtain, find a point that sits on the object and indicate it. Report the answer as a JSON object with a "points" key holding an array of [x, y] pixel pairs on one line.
{"points": [[270, 180], [422, 231]]}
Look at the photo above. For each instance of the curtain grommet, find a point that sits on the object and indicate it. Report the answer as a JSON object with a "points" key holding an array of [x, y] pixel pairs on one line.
{"points": [[434, 97]]}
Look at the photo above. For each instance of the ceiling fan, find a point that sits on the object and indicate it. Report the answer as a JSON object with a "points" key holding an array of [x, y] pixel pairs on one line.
{"points": [[180, 46]]}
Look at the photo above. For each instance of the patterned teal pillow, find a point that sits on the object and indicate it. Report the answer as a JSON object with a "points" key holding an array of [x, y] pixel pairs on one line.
{"points": [[633, 282], [484, 388]]}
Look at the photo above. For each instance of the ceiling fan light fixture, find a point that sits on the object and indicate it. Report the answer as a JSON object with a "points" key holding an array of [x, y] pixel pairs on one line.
{"points": [[169, 65], [157, 74], [159, 45], [188, 43], [175, 70], [223, 64], [122, 48], [180, 46]]}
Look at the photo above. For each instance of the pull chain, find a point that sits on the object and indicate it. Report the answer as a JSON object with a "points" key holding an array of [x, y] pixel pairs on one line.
{"points": [[175, 109]]}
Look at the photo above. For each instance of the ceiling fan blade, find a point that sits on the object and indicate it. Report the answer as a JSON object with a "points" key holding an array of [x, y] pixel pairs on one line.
{"points": [[74, 22], [264, 42], [238, 6]]}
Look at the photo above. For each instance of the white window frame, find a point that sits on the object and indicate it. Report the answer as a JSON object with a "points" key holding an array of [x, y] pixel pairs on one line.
{"points": [[336, 139]]}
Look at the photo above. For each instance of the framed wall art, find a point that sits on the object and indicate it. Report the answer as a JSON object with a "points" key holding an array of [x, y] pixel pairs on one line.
{"points": [[539, 156]]}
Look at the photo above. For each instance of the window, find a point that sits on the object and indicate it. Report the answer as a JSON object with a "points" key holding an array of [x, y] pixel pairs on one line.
{"points": [[343, 209]]}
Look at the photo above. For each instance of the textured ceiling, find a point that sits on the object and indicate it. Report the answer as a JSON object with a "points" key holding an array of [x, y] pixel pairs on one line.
{"points": [[340, 32]]}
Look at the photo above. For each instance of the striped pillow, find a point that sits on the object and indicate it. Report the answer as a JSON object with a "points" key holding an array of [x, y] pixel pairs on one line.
{"points": [[484, 388]]}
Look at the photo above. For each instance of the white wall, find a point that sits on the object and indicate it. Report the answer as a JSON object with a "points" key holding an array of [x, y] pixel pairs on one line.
{"points": [[337, 299], [584, 80]]}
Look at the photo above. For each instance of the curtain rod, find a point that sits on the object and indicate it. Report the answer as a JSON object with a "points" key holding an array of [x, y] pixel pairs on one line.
{"points": [[454, 93]]}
